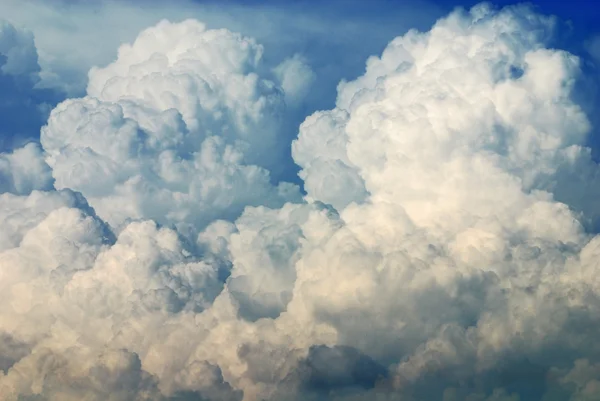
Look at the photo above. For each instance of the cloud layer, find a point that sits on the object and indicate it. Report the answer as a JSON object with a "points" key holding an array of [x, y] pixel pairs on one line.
{"points": [[445, 248]]}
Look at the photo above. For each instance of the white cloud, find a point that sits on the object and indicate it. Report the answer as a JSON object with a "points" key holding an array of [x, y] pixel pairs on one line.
{"points": [[455, 256], [296, 78], [24, 170], [179, 129], [20, 214]]}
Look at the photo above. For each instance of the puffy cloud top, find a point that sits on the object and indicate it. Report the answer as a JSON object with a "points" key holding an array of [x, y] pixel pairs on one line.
{"points": [[211, 77], [24, 170], [475, 89], [179, 129]]}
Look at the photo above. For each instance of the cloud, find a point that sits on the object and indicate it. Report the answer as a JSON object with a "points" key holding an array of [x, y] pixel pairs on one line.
{"points": [[444, 249], [20, 55], [24, 170], [181, 129], [296, 78]]}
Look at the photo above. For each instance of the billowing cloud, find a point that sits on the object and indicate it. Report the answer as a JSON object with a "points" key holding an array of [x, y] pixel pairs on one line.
{"points": [[24, 170], [296, 78], [445, 248], [181, 129]]}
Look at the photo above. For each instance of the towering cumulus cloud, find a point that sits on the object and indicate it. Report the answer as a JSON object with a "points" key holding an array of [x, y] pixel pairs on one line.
{"points": [[179, 129], [444, 250]]}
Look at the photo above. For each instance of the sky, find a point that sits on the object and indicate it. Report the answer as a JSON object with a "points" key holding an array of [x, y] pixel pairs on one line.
{"points": [[292, 200]]}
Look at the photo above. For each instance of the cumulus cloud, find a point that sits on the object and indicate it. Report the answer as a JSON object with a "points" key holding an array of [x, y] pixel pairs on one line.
{"points": [[181, 129], [444, 249], [296, 78], [24, 170]]}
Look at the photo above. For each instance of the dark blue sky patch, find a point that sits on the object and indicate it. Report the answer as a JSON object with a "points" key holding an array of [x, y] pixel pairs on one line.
{"points": [[23, 109]]}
